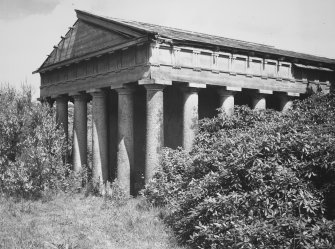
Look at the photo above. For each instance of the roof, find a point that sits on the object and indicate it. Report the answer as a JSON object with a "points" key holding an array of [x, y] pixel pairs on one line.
{"points": [[184, 35], [115, 30]]}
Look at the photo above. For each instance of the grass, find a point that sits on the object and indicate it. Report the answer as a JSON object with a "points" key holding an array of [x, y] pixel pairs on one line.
{"points": [[75, 221]]}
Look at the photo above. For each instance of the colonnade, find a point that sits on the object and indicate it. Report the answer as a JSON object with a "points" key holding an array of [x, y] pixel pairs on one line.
{"points": [[154, 126]]}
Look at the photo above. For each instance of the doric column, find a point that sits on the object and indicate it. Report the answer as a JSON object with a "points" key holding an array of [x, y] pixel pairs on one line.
{"points": [[258, 101], [99, 137], [155, 129], [190, 116], [79, 132], [62, 113], [285, 102], [227, 100], [125, 152]]}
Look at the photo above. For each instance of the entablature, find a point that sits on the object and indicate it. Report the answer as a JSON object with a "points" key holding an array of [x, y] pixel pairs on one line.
{"points": [[136, 42], [115, 67], [112, 61], [232, 61]]}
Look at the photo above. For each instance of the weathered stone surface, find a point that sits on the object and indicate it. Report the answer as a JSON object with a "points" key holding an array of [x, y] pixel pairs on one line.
{"points": [[201, 73], [190, 116], [227, 101], [99, 137], [79, 132], [258, 101], [125, 153], [62, 113], [285, 102], [155, 129]]}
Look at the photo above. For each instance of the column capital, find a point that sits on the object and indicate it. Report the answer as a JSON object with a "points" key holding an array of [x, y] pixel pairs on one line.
{"points": [[224, 92], [263, 91], [94, 90], [125, 91], [257, 95], [260, 93], [233, 88], [196, 85], [154, 87], [155, 82], [97, 93], [60, 97], [293, 94], [79, 96], [186, 89]]}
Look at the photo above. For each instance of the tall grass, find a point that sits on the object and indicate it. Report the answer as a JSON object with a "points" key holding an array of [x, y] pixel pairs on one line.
{"points": [[43, 204], [76, 221]]}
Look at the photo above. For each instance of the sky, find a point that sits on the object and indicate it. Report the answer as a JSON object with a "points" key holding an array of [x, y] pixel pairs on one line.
{"points": [[30, 28]]}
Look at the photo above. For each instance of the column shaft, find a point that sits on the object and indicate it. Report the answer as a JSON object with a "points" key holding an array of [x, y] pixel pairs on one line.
{"points": [[125, 153], [285, 103], [79, 132], [62, 113], [155, 129], [99, 138], [258, 102], [227, 101], [190, 117]]}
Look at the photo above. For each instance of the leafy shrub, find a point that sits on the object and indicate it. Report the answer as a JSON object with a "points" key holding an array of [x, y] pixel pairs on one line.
{"points": [[114, 194], [258, 179], [32, 149], [166, 184]]}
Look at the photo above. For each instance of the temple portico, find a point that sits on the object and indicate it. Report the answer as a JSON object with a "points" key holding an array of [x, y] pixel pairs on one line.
{"points": [[149, 85], [125, 165]]}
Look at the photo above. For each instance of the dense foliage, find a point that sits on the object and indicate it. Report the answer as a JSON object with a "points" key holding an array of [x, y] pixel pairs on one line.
{"points": [[258, 179], [32, 149]]}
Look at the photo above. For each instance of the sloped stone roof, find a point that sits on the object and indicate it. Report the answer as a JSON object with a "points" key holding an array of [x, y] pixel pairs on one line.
{"points": [[97, 32], [190, 36]]}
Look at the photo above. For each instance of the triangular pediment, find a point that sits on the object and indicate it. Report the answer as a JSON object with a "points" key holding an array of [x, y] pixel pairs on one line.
{"points": [[89, 34]]}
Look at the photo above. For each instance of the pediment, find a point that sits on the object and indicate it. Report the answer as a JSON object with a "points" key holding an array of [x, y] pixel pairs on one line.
{"points": [[89, 35]]}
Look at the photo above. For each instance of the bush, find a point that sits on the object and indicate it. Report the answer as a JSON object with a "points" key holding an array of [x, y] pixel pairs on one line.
{"points": [[259, 179], [32, 149]]}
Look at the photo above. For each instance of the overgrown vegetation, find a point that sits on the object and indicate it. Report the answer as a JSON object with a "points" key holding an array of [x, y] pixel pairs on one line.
{"points": [[32, 149], [78, 222], [258, 179], [34, 153], [44, 204]]}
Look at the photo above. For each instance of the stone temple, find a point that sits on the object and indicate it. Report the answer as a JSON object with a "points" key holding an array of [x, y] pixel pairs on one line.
{"points": [[149, 85]]}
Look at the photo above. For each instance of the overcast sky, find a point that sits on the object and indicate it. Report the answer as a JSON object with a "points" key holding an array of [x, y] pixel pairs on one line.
{"points": [[30, 28]]}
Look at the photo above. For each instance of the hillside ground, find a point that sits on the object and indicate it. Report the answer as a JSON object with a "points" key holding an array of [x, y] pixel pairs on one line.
{"points": [[75, 221]]}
